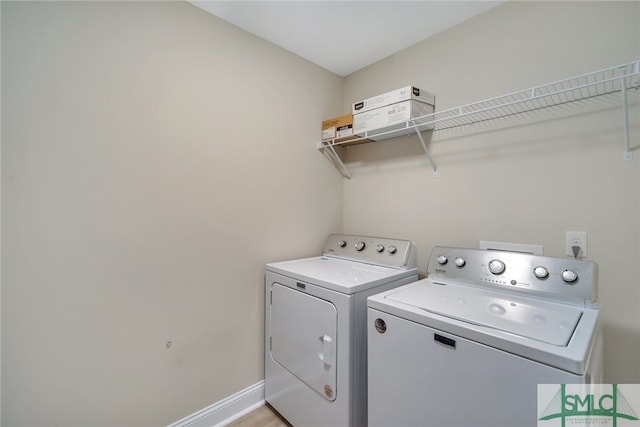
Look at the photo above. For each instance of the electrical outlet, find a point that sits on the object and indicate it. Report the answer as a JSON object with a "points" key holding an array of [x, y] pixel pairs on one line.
{"points": [[575, 238]]}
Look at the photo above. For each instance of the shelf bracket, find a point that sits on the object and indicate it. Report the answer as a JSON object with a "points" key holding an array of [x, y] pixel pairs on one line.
{"points": [[426, 150], [336, 159], [628, 155]]}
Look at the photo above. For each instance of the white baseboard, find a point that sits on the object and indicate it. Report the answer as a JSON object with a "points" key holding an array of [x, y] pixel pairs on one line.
{"points": [[227, 410]]}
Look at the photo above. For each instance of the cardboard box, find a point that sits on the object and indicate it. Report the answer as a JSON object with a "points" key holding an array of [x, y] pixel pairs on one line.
{"points": [[340, 129], [406, 93], [337, 127], [390, 117]]}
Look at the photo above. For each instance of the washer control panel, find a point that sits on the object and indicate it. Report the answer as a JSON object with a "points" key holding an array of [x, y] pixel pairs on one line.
{"points": [[375, 250], [561, 279]]}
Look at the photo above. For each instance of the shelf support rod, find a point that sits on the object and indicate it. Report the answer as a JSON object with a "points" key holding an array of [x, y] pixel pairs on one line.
{"points": [[625, 114], [426, 150], [337, 159]]}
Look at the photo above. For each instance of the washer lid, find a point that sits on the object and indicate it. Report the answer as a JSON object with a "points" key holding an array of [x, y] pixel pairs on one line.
{"points": [[540, 320], [338, 274]]}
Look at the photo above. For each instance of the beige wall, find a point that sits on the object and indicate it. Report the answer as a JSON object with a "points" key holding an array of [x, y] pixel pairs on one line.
{"points": [[524, 180], [153, 159]]}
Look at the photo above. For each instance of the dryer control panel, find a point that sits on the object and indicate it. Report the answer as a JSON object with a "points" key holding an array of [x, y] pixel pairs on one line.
{"points": [[394, 253], [559, 279]]}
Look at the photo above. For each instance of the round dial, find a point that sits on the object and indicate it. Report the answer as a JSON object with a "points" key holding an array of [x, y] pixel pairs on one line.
{"points": [[496, 266], [360, 245], [541, 272], [380, 248], [569, 276], [342, 243], [442, 259], [392, 249], [460, 262]]}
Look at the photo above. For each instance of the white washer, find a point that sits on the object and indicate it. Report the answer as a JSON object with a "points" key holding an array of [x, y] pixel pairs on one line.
{"points": [[468, 345], [315, 329]]}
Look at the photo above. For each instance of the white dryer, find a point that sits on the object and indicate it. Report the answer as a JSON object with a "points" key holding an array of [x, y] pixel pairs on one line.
{"points": [[315, 329], [467, 346]]}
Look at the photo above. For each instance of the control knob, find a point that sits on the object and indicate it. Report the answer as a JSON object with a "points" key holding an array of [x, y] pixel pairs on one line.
{"points": [[392, 249], [496, 266], [540, 272], [342, 243], [442, 259], [569, 276], [460, 262], [359, 245], [380, 248]]}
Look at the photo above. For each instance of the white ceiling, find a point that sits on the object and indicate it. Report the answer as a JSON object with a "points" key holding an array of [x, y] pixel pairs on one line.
{"points": [[344, 36]]}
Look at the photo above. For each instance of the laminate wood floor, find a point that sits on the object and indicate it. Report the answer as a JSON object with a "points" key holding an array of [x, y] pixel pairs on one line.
{"points": [[264, 416]]}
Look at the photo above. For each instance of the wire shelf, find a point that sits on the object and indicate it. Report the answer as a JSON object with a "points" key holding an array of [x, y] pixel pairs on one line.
{"points": [[598, 83], [618, 79]]}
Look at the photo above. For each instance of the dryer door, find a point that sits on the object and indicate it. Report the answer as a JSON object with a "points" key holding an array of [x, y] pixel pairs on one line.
{"points": [[303, 338]]}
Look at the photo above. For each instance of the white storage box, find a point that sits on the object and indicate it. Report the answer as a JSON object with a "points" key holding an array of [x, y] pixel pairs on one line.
{"points": [[391, 117], [403, 94]]}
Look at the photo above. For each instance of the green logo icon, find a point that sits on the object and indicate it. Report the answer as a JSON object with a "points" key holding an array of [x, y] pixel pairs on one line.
{"points": [[588, 406]]}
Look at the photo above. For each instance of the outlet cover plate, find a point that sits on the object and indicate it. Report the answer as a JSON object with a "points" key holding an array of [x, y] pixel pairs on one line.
{"points": [[576, 238]]}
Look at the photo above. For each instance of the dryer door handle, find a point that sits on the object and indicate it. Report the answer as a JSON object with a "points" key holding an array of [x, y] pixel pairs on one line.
{"points": [[327, 350]]}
